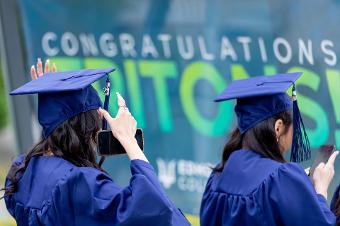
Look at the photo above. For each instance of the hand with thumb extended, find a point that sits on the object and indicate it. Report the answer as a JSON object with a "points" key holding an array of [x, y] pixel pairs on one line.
{"points": [[124, 127], [323, 175]]}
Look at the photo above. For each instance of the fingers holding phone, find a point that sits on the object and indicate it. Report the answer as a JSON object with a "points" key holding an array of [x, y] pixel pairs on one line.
{"points": [[124, 127], [322, 155], [108, 145], [323, 175]]}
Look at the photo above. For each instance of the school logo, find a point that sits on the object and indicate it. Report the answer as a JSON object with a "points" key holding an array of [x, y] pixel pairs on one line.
{"points": [[166, 172]]}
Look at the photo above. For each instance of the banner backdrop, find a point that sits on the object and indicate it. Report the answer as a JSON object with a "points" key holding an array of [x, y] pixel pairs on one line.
{"points": [[173, 58]]}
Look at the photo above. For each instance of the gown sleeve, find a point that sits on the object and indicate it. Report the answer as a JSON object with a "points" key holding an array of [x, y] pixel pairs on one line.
{"points": [[295, 200], [10, 205], [97, 200]]}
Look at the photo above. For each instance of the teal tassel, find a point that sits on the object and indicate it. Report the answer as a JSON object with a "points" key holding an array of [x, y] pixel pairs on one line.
{"points": [[300, 145]]}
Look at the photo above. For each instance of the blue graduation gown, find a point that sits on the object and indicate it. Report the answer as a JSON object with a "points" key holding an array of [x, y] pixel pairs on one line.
{"points": [[254, 190], [52, 191]]}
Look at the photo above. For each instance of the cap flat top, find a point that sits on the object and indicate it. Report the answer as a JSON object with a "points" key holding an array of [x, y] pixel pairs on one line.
{"points": [[259, 86], [54, 82]]}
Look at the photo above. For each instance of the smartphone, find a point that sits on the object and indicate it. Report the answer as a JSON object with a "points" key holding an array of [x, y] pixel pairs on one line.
{"points": [[322, 155], [109, 145]]}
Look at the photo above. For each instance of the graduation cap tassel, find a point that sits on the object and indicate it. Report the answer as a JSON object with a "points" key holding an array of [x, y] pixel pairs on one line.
{"points": [[106, 107], [300, 145]]}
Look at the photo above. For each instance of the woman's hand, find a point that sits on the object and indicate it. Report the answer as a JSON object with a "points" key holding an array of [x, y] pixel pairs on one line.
{"points": [[323, 175], [39, 72], [124, 127]]}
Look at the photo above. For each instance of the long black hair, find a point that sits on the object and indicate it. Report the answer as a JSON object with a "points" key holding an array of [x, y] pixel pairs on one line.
{"points": [[261, 139], [74, 140]]}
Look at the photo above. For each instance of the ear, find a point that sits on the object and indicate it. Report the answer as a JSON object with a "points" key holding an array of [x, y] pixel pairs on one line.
{"points": [[279, 128]]}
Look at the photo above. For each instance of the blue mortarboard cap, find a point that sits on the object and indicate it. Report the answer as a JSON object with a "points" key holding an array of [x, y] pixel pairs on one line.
{"points": [[259, 98], [262, 97], [259, 86], [62, 95], [253, 110]]}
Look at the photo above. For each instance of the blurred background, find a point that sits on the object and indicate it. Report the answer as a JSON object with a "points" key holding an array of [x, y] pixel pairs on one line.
{"points": [[172, 57]]}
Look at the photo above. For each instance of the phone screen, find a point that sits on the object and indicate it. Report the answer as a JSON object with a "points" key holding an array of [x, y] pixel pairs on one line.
{"points": [[109, 145], [323, 154]]}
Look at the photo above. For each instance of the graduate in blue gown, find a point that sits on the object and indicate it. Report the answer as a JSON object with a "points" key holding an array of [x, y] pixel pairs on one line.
{"points": [[254, 185], [59, 182]]}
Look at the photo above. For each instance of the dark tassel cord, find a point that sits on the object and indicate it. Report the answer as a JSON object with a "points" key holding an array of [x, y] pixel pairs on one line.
{"points": [[300, 145], [106, 107], [106, 100]]}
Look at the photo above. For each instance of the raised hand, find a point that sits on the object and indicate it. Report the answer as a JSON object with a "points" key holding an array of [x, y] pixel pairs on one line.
{"points": [[35, 73], [124, 127], [323, 175]]}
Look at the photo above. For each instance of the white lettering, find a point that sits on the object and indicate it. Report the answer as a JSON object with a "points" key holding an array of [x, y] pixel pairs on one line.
{"points": [[148, 48], [127, 44], [227, 49], [306, 52], [331, 58], [244, 40], [88, 44], [284, 43], [263, 51], [69, 44], [107, 45], [45, 42], [187, 52], [165, 39], [203, 49]]}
